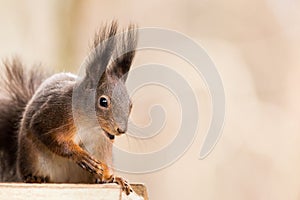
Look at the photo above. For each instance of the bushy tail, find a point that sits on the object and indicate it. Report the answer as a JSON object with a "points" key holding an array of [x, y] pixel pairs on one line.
{"points": [[17, 87]]}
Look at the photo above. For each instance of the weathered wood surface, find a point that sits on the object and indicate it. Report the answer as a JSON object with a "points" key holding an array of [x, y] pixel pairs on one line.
{"points": [[22, 191]]}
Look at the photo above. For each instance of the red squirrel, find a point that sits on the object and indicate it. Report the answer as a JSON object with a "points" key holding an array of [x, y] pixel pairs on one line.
{"points": [[39, 140]]}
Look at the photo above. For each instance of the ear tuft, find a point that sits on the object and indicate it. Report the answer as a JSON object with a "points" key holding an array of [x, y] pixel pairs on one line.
{"points": [[112, 49], [104, 33], [125, 52], [104, 44]]}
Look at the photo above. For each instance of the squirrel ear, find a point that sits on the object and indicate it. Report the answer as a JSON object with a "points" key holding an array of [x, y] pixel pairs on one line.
{"points": [[124, 54], [102, 49]]}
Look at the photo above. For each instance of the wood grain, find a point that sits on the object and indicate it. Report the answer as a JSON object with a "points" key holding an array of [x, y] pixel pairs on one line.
{"points": [[22, 191]]}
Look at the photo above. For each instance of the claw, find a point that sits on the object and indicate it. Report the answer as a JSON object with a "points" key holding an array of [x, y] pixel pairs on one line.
{"points": [[124, 184], [35, 179], [91, 165]]}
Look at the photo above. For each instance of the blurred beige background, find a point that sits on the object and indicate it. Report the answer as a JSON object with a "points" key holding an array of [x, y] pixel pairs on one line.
{"points": [[255, 45]]}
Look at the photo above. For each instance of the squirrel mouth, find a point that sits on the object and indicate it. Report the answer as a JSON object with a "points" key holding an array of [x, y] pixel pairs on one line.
{"points": [[111, 137]]}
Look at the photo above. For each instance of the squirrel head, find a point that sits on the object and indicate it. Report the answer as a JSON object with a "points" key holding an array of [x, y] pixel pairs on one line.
{"points": [[106, 73], [113, 106]]}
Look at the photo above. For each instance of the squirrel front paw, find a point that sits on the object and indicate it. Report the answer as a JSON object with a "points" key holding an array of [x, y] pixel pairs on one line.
{"points": [[35, 179], [91, 165], [122, 182]]}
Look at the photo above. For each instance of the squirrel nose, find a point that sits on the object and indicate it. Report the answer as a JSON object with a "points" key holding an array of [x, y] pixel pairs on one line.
{"points": [[121, 130]]}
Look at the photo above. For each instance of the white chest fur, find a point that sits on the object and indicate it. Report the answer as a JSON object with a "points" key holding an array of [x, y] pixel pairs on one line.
{"points": [[63, 170]]}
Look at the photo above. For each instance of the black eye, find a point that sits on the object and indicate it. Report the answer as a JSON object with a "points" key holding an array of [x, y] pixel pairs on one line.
{"points": [[103, 102]]}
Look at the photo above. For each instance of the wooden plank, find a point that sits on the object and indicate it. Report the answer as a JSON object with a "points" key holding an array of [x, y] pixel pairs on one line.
{"points": [[140, 189], [22, 191]]}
